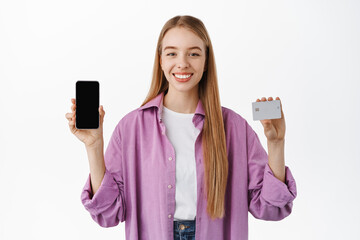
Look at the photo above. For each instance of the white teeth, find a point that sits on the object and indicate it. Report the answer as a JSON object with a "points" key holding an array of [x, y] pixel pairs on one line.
{"points": [[182, 76]]}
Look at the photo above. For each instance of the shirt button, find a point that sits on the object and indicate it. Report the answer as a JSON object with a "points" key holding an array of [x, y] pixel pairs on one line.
{"points": [[170, 158], [169, 216], [169, 186]]}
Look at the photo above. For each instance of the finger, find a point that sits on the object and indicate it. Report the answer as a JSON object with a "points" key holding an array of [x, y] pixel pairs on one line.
{"points": [[102, 113], [72, 117], [73, 103], [282, 113], [270, 99], [72, 126], [277, 98], [101, 110], [258, 100], [72, 123], [263, 99], [73, 107], [69, 116]]}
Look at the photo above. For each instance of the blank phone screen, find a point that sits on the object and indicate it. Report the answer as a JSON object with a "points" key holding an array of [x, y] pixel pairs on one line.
{"points": [[87, 104]]}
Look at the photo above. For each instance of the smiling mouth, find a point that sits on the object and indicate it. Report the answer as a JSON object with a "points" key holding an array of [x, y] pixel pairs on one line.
{"points": [[182, 77]]}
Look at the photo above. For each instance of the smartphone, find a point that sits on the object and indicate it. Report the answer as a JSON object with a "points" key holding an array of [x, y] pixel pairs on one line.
{"points": [[87, 104], [266, 110]]}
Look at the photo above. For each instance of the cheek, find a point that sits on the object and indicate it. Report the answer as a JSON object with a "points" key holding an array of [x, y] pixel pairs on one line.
{"points": [[199, 65], [167, 66]]}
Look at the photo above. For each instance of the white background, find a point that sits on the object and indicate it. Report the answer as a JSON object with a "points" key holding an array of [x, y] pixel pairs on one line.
{"points": [[305, 52]]}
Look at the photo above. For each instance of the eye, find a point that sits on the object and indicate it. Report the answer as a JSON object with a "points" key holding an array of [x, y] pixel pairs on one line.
{"points": [[195, 54], [169, 54]]}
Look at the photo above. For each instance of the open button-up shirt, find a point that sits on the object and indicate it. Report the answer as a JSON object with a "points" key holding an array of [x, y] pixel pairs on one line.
{"points": [[139, 182]]}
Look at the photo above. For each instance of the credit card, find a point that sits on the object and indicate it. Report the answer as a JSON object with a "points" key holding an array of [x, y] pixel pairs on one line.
{"points": [[266, 110]]}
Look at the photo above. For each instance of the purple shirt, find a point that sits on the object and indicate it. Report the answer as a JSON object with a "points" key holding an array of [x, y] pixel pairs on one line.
{"points": [[139, 182]]}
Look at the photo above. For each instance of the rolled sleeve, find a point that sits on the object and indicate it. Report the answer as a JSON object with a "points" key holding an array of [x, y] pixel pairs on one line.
{"points": [[107, 206], [275, 192], [105, 196], [269, 198]]}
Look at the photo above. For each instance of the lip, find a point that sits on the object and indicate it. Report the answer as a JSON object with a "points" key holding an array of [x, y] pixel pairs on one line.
{"points": [[182, 79]]}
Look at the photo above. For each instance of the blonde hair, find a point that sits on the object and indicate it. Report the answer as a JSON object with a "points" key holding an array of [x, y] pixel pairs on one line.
{"points": [[214, 143]]}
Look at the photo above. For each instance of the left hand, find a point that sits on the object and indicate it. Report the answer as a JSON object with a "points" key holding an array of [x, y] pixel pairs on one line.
{"points": [[274, 129]]}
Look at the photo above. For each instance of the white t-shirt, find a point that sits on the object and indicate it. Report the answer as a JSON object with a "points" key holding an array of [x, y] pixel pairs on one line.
{"points": [[182, 134]]}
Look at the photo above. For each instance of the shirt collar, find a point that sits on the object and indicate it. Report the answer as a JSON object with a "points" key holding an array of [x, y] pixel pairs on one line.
{"points": [[158, 102]]}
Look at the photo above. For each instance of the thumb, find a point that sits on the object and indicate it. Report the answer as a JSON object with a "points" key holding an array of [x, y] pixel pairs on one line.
{"points": [[266, 124], [102, 114]]}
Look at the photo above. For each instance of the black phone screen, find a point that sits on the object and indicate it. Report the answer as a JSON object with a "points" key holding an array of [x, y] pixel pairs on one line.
{"points": [[87, 105]]}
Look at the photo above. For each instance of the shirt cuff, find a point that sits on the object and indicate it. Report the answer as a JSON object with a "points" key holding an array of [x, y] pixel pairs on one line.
{"points": [[276, 192], [105, 195]]}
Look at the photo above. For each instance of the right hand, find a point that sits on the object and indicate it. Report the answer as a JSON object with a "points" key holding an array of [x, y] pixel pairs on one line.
{"points": [[90, 137]]}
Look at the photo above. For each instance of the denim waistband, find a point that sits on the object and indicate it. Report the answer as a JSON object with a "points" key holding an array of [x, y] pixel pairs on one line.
{"points": [[188, 225]]}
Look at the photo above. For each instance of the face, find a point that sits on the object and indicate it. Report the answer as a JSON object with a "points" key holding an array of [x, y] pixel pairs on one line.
{"points": [[182, 59]]}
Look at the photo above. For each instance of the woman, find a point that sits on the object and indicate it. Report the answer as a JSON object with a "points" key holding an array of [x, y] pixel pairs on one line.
{"points": [[181, 165]]}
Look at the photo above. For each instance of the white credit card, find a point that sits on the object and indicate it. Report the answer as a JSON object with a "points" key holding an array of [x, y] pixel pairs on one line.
{"points": [[266, 110]]}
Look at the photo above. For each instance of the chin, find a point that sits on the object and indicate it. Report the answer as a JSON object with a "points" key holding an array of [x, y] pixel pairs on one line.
{"points": [[183, 88]]}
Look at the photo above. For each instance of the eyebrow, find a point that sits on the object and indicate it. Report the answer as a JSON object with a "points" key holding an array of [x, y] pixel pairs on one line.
{"points": [[172, 47]]}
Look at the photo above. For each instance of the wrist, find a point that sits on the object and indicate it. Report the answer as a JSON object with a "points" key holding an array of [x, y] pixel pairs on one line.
{"points": [[276, 142], [95, 145]]}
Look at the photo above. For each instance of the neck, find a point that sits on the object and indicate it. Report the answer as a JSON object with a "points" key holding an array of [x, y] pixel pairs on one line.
{"points": [[181, 102]]}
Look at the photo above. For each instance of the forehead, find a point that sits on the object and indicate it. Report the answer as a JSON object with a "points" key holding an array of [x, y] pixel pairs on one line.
{"points": [[181, 37]]}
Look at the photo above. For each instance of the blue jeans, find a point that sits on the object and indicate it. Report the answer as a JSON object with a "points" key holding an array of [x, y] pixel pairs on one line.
{"points": [[184, 230]]}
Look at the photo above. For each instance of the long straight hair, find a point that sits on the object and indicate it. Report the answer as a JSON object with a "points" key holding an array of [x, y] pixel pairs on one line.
{"points": [[214, 143]]}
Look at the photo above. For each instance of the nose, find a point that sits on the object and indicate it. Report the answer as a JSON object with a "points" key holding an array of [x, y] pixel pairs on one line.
{"points": [[183, 61]]}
